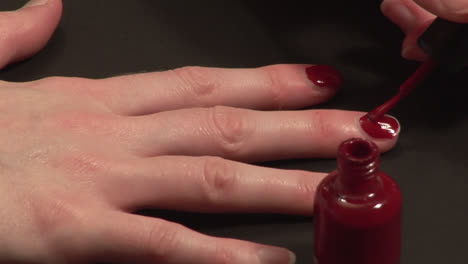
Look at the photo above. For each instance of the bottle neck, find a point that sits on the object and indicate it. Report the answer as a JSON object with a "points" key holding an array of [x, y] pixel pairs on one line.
{"points": [[358, 165]]}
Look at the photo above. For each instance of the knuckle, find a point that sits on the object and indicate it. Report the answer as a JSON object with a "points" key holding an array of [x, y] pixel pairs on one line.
{"points": [[82, 167], [83, 122], [231, 127], [80, 88], [71, 120], [82, 164], [219, 178], [274, 85], [160, 240], [197, 81], [52, 216]]}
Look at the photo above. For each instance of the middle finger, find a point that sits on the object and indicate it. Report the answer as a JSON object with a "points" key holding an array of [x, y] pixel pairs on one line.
{"points": [[248, 135]]}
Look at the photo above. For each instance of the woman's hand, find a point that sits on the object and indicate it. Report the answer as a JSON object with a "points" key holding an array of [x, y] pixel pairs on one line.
{"points": [[413, 17], [78, 157]]}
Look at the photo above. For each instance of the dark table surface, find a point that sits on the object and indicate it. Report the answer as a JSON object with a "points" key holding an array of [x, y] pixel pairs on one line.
{"points": [[110, 37]]}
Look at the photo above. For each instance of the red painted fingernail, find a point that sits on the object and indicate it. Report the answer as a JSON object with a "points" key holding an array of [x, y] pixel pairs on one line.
{"points": [[324, 76], [387, 127]]}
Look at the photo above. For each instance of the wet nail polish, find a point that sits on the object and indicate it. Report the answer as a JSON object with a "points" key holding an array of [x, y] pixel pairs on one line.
{"points": [[379, 126], [324, 76], [357, 210], [386, 127]]}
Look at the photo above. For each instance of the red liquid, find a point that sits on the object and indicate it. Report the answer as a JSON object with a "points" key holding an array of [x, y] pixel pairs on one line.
{"points": [[357, 210], [324, 76], [385, 128]]}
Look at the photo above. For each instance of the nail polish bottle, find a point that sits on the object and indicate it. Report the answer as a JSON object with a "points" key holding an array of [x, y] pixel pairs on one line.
{"points": [[357, 211]]}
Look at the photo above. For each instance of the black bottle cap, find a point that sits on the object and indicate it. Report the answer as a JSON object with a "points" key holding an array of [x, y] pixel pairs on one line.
{"points": [[446, 42]]}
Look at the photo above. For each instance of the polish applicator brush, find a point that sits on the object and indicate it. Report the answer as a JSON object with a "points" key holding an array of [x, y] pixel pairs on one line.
{"points": [[446, 43]]}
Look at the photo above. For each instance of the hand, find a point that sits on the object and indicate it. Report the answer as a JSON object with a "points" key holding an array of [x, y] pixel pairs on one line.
{"points": [[413, 17], [78, 157]]}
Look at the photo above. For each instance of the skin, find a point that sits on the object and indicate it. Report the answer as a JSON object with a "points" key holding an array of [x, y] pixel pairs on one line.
{"points": [[78, 157], [413, 17]]}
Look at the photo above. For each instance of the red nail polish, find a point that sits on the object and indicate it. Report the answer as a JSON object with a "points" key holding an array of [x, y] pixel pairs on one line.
{"points": [[357, 217], [324, 76], [386, 127]]}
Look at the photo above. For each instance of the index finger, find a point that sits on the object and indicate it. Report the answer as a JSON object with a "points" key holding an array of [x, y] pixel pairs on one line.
{"points": [[454, 10], [266, 88]]}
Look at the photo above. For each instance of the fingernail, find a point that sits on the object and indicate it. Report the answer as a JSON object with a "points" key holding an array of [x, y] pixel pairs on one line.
{"points": [[324, 76], [387, 127], [35, 3], [275, 255]]}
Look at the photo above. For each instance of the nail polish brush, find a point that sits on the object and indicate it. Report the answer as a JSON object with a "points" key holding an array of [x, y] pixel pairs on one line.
{"points": [[446, 43]]}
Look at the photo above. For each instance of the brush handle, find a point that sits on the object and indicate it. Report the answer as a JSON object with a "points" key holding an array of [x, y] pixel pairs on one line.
{"points": [[447, 43]]}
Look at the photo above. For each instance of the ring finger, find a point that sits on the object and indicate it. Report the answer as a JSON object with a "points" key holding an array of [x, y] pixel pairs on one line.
{"points": [[212, 184]]}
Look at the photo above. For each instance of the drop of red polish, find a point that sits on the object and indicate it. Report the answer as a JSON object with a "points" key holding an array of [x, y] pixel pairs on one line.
{"points": [[324, 76], [385, 127]]}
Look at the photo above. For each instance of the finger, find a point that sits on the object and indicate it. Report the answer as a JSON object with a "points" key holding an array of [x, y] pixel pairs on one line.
{"points": [[26, 31], [410, 48], [213, 184], [247, 135], [271, 87], [405, 13], [454, 10], [125, 238], [413, 21]]}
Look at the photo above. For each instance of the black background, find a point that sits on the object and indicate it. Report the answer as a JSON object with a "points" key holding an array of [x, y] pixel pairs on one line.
{"points": [[104, 38]]}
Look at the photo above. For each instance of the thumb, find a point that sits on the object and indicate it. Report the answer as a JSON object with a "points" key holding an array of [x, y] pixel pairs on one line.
{"points": [[26, 31], [454, 10]]}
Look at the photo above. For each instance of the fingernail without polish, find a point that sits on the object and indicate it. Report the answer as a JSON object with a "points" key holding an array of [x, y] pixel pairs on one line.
{"points": [[403, 17], [408, 52], [275, 255], [414, 53], [35, 3], [324, 76]]}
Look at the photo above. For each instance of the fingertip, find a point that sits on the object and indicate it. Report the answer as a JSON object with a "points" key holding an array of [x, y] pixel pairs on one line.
{"points": [[296, 86], [406, 14], [410, 48], [28, 29], [454, 10], [275, 255], [413, 53], [399, 13], [385, 133], [52, 9], [325, 80], [32, 3], [325, 76]]}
